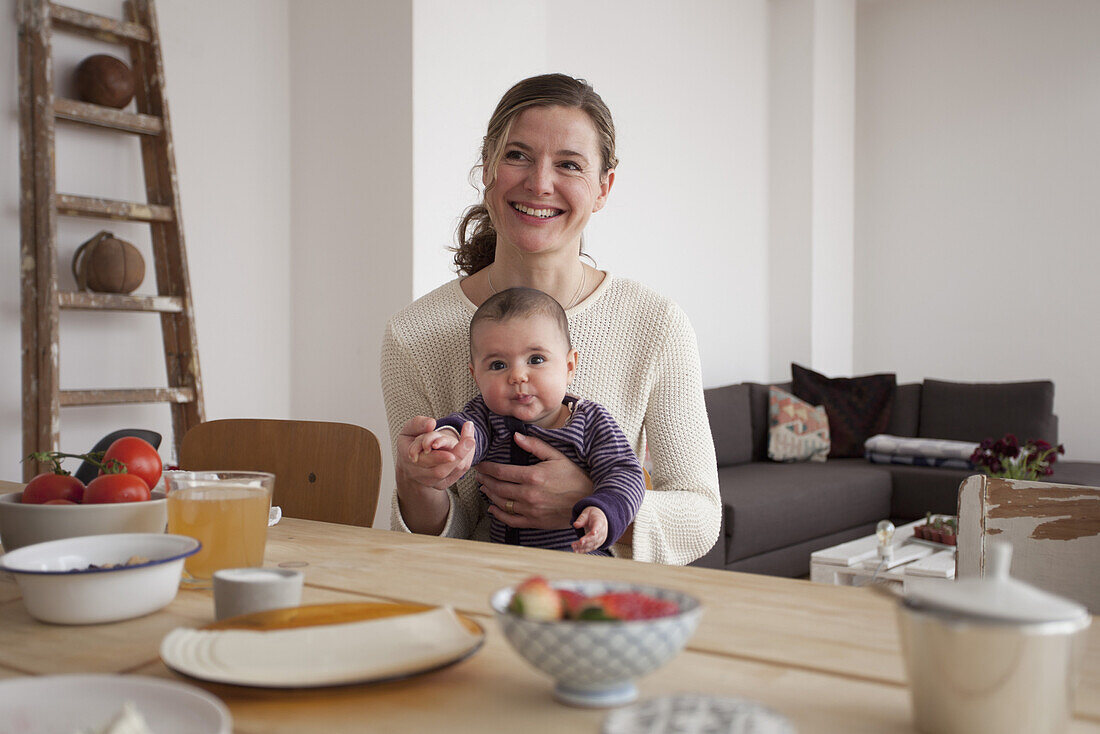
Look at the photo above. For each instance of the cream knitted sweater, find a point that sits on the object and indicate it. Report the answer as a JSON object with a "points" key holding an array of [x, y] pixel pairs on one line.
{"points": [[638, 357]]}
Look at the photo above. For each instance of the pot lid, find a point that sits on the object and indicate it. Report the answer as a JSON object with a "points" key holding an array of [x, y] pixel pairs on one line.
{"points": [[997, 597]]}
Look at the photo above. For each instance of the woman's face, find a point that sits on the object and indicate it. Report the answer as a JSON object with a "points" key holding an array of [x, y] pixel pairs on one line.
{"points": [[548, 181]]}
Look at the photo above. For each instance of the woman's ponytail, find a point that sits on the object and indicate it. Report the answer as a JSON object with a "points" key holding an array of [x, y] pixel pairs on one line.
{"points": [[476, 241]]}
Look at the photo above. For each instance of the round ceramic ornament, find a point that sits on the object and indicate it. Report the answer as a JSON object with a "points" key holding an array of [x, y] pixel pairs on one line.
{"points": [[107, 264], [104, 80]]}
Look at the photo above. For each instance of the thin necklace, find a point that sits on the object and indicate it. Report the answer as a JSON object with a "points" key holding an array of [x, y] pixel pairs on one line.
{"points": [[572, 303]]}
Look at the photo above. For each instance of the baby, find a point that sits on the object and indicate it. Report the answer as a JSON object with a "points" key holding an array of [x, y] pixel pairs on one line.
{"points": [[523, 361]]}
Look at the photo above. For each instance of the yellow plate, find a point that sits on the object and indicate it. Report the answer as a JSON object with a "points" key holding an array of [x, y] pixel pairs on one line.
{"points": [[324, 614]]}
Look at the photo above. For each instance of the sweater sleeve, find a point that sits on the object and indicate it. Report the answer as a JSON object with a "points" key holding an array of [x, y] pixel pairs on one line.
{"points": [[405, 397], [617, 477], [679, 519]]}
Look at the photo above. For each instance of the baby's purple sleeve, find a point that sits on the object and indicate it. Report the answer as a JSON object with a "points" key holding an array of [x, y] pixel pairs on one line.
{"points": [[616, 474], [475, 412]]}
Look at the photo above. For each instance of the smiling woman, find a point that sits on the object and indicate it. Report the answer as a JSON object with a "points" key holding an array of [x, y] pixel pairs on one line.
{"points": [[548, 164]]}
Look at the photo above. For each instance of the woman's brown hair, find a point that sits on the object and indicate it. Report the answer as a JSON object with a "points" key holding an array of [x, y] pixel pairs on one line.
{"points": [[476, 238]]}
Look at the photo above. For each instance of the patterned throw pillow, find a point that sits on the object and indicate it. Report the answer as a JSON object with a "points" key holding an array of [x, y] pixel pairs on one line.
{"points": [[798, 431]]}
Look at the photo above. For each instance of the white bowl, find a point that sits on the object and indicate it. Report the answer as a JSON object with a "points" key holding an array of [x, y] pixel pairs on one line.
{"points": [[594, 663], [22, 525], [57, 588], [49, 704]]}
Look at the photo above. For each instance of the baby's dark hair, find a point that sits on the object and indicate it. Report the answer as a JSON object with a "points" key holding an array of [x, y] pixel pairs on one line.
{"points": [[517, 303]]}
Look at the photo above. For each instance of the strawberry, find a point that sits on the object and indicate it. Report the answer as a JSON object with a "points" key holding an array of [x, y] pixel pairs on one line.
{"points": [[535, 599], [572, 602], [626, 606]]}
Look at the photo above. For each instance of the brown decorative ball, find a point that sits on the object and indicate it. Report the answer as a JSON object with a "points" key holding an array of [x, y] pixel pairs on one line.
{"points": [[105, 80], [108, 265]]}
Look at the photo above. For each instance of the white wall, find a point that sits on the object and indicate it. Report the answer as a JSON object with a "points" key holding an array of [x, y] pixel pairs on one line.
{"points": [[351, 154], [307, 254], [811, 99], [833, 175], [226, 68], [978, 167], [790, 186]]}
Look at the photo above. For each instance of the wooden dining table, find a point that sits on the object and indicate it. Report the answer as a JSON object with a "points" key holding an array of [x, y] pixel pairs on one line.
{"points": [[826, 657]]}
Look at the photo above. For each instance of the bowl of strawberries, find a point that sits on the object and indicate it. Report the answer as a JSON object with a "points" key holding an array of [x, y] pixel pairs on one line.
{"points": [[595, 638]]}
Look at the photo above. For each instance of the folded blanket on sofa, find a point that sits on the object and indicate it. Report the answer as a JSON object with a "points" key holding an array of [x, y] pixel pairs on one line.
{"points": [[946, 463], [932, 448]]}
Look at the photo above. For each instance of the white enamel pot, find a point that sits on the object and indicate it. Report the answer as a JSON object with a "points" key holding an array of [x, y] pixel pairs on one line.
{"points": [[992, 655]]}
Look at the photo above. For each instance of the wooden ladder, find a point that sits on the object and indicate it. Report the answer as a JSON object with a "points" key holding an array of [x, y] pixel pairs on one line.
{"points": [[41, 204]]}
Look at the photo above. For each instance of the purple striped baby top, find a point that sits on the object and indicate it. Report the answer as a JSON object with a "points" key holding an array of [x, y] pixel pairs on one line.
{"points": [[591, 439]]}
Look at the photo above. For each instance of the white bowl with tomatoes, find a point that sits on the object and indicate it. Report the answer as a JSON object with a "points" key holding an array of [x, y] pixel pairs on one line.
{"points": [[58, 505], [99, 578], [26, 524]]}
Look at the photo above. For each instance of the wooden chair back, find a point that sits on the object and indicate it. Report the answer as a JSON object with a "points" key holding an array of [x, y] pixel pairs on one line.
{"points": [[323, 471], [1054, 530]]}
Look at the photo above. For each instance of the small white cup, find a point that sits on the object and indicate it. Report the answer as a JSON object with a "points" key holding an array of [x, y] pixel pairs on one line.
{"points": [[245, 590]]}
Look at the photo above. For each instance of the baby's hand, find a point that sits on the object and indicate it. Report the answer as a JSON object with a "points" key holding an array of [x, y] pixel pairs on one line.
{"points": [[440, 439], [594, 523]]}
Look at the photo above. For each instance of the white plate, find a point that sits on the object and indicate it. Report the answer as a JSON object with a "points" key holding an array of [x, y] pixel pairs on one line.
{"points": [[60, 704]]}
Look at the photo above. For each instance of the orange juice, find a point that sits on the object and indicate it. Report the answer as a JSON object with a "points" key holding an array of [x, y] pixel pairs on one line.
{"points": [[229, 520]]}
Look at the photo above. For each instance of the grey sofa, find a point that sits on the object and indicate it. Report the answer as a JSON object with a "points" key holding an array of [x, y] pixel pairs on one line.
{"points": [[776, 514]]}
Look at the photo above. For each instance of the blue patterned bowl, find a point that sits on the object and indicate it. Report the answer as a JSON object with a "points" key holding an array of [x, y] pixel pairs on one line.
{"points": [[595, 663]]}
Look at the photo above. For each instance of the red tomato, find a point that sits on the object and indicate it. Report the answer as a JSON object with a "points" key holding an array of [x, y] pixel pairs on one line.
{"points": [[139, 456], [46, 487], [59, 502], [116, 488]]}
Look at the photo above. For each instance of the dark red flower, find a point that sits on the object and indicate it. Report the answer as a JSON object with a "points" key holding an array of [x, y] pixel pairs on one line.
{"points": [[1008, 457]]}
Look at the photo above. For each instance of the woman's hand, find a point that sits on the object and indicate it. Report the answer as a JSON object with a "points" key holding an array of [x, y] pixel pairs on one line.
{"points": [[421, 483], [440, 468], [438, 440], [542, 495]]}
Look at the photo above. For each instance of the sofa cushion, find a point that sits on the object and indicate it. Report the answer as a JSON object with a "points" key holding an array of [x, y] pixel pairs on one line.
{"points": [[794, 560], [858, 407], [918, 490], [967, 411], [905, 413], [797, 430], [729, 411], [768, 505], [1086, 473]]}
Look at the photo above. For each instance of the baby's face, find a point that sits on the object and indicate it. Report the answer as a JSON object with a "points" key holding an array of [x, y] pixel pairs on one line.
{"points": [[522, 367]]}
